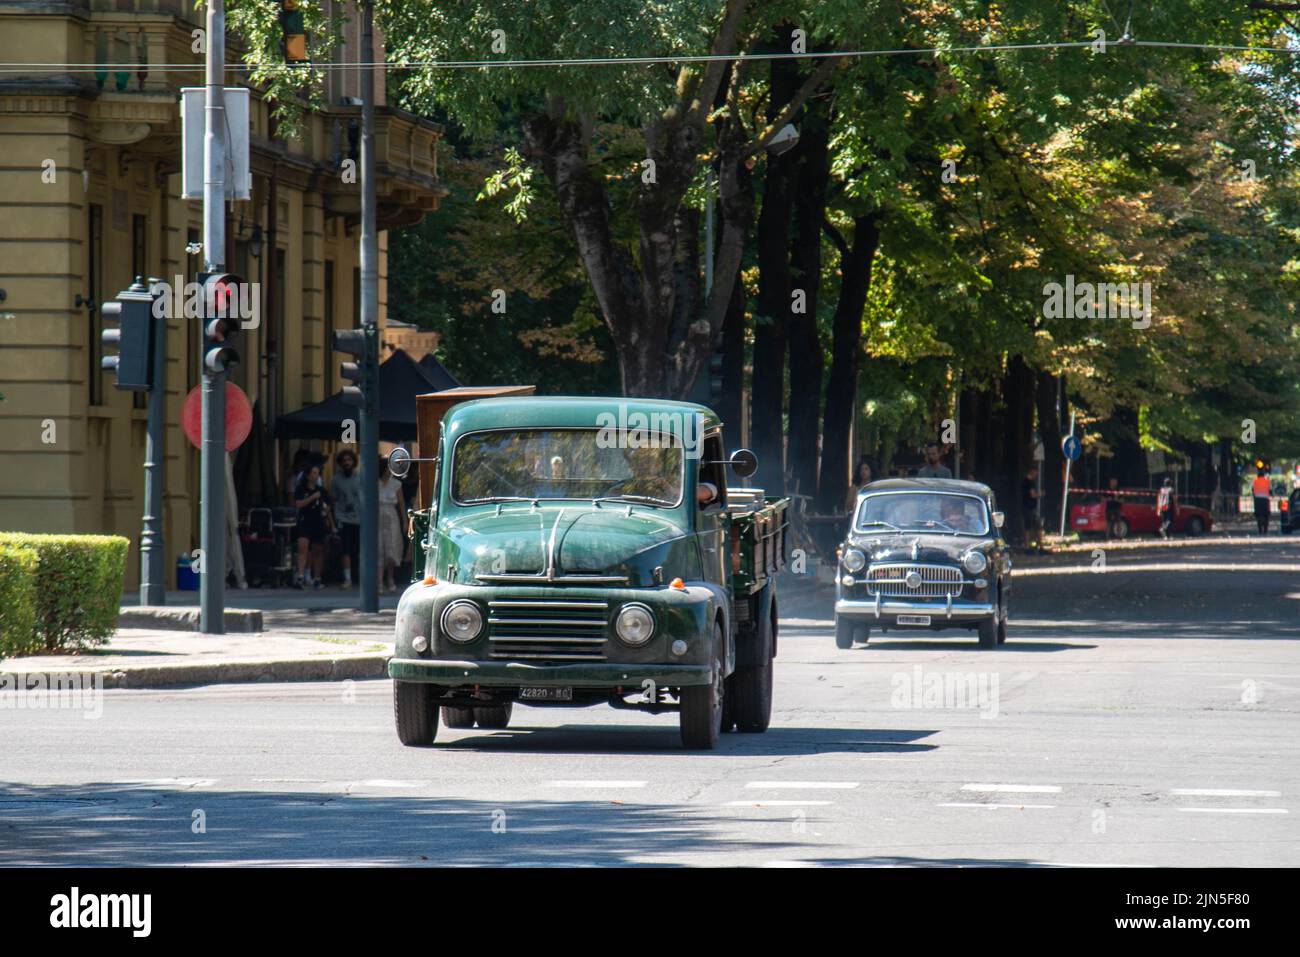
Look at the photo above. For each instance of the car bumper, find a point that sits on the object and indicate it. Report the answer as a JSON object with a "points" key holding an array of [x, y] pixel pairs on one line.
{"points": [[889, 608], [512, 674]]}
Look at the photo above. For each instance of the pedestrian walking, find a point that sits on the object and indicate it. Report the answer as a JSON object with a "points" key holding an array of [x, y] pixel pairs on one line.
{"points": [[315, 526], [1262, 490], [346, 492], [1165, 507], [933, 467], [392, 507], [862, 477]]}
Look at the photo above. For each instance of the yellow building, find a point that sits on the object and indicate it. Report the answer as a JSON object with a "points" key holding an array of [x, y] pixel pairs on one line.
{"points": [[90, 158]]}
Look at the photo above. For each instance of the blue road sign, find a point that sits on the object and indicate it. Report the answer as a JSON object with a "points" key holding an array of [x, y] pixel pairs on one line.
{"points": [[1071, 447]]}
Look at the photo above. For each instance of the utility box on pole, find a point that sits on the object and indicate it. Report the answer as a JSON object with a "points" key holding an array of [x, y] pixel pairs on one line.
{"points": [[239, 173]]}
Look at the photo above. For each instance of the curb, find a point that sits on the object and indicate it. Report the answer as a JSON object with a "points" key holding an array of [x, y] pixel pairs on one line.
{"points": [[184, 618], [225, 672]]}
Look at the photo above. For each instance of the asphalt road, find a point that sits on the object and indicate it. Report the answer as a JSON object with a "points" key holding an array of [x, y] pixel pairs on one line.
{"points": [[1136, 717]]}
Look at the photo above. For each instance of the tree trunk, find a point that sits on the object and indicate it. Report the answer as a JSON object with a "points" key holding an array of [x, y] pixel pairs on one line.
{"points": [[768, 402], [806, 359], [1018, 393], [1053, 464], [846, 359]]}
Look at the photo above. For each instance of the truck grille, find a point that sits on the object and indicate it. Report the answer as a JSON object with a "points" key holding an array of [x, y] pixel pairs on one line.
{"points": [[937, 581], [541, 630]]}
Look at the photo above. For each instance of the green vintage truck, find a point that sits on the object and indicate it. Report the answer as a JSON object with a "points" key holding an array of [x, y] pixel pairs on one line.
{"points": [[583, 551]]}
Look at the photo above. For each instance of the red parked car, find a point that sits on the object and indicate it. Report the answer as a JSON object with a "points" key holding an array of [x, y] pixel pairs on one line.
{"points": [[1131, 515]]}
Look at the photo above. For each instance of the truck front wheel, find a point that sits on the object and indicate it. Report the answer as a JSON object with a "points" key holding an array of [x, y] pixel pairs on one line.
{"points": [[751, 688], [701, 706], [414, 713]]}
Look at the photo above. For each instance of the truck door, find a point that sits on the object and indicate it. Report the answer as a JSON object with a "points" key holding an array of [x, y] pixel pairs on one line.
{"points": [[710, 524]]}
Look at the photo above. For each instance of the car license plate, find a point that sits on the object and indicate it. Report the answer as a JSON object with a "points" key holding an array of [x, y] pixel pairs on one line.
{"points": [[1080, 521], [545, 694], [914, 619]]}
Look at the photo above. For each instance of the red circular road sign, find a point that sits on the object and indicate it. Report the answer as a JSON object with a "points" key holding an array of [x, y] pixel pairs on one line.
{"points": [[239, 416]]}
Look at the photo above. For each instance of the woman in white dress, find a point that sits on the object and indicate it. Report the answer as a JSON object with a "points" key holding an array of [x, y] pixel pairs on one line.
{"points": [[392, 507]]}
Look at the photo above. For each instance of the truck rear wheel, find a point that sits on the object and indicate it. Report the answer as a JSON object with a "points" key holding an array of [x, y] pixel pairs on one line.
{"points": [[701, 707], [495, 717], [414, 713], [457, 717], [751, 688]]}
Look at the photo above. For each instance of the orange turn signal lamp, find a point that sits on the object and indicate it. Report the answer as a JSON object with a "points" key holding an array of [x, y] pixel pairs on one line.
{"points": [[677, 583], [430, 580]]}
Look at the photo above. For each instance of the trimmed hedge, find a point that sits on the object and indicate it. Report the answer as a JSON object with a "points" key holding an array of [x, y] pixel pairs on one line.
{"points": [[78, 582], [17, 601]]}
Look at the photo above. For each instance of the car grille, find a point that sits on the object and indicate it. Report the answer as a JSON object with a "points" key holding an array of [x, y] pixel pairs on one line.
{"points": [[542, 631], [937, 581]]}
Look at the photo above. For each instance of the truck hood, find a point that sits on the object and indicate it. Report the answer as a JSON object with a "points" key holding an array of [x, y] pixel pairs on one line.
{"points": [[567, 541]]}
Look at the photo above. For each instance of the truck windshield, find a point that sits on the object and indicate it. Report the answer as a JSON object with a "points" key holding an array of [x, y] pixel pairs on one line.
{"points": [[923, 511], [528, 464]]}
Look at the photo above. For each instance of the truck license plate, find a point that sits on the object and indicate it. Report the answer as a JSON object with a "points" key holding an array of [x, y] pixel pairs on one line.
{"points": [[914, 619], [545, 694]]}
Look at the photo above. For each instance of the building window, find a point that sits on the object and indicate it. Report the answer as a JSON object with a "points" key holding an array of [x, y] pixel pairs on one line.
{"points": [[94, 269], [140, 269], [329, 325]]}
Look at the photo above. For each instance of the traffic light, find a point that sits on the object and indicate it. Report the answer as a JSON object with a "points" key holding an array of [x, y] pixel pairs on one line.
{"points": [[717, 361], [221, 317], [295, 32], [363, 371], [132, 311]]}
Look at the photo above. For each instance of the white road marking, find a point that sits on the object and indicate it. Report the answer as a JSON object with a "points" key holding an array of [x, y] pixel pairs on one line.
{"points": [[791, 864], [805, 785], [170, 782], [1225, 792], [777, 803], [386, 783], [1013, 788], [1234, 810], [1014, 807], [597, 784]]}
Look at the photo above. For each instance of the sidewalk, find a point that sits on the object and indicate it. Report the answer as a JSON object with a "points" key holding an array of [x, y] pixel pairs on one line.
{"points": [[306, 638]]}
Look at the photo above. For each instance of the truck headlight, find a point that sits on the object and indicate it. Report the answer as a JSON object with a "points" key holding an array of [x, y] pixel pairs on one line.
{"points": [[854, 560], [975, 562], [462, 621], [635, 624]]}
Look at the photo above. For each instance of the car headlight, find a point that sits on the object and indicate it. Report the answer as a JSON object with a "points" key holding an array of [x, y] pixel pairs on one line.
{"points": [[975, 562], [854, 560], [462, 621], [635, 624]]}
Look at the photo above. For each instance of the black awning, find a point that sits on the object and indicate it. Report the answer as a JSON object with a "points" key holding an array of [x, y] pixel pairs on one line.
{"points": [[401, 379]]}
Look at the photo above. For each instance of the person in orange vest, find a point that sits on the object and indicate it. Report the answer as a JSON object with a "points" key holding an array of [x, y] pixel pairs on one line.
{"points": [[1165, 507], [1261, 490]]}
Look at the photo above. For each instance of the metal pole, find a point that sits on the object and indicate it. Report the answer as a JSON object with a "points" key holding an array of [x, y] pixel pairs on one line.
{"points": [[369, 316], [153, 549], [212, 476], [1065, 495]]}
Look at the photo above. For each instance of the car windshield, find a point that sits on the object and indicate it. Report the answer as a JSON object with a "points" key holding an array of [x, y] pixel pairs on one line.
{"points": [[528, 464], [923, 511]]}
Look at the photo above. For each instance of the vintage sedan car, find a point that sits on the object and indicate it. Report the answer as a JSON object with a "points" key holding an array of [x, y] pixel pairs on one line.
{"points": [[923, 554], [1134, 514]]}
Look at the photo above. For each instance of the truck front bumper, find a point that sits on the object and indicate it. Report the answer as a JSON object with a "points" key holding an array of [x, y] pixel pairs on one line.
{"points": [[511, 674], [889, 608]]}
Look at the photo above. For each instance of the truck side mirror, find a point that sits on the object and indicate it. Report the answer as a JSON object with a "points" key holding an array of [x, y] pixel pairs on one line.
{"points": [[999, 518], [743, 462], [399, 462]]}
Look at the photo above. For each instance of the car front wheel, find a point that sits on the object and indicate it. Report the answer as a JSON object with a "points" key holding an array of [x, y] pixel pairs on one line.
{"points": [[988, 629], [845, 632]]}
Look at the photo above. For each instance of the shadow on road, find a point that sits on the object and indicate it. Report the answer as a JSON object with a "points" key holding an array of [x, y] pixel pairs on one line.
{"points": [[638, 739], [104, 824]]}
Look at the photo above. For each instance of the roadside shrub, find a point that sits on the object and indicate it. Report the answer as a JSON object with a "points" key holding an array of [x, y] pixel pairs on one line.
{"points": [[79, 580], [18, 634]]}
